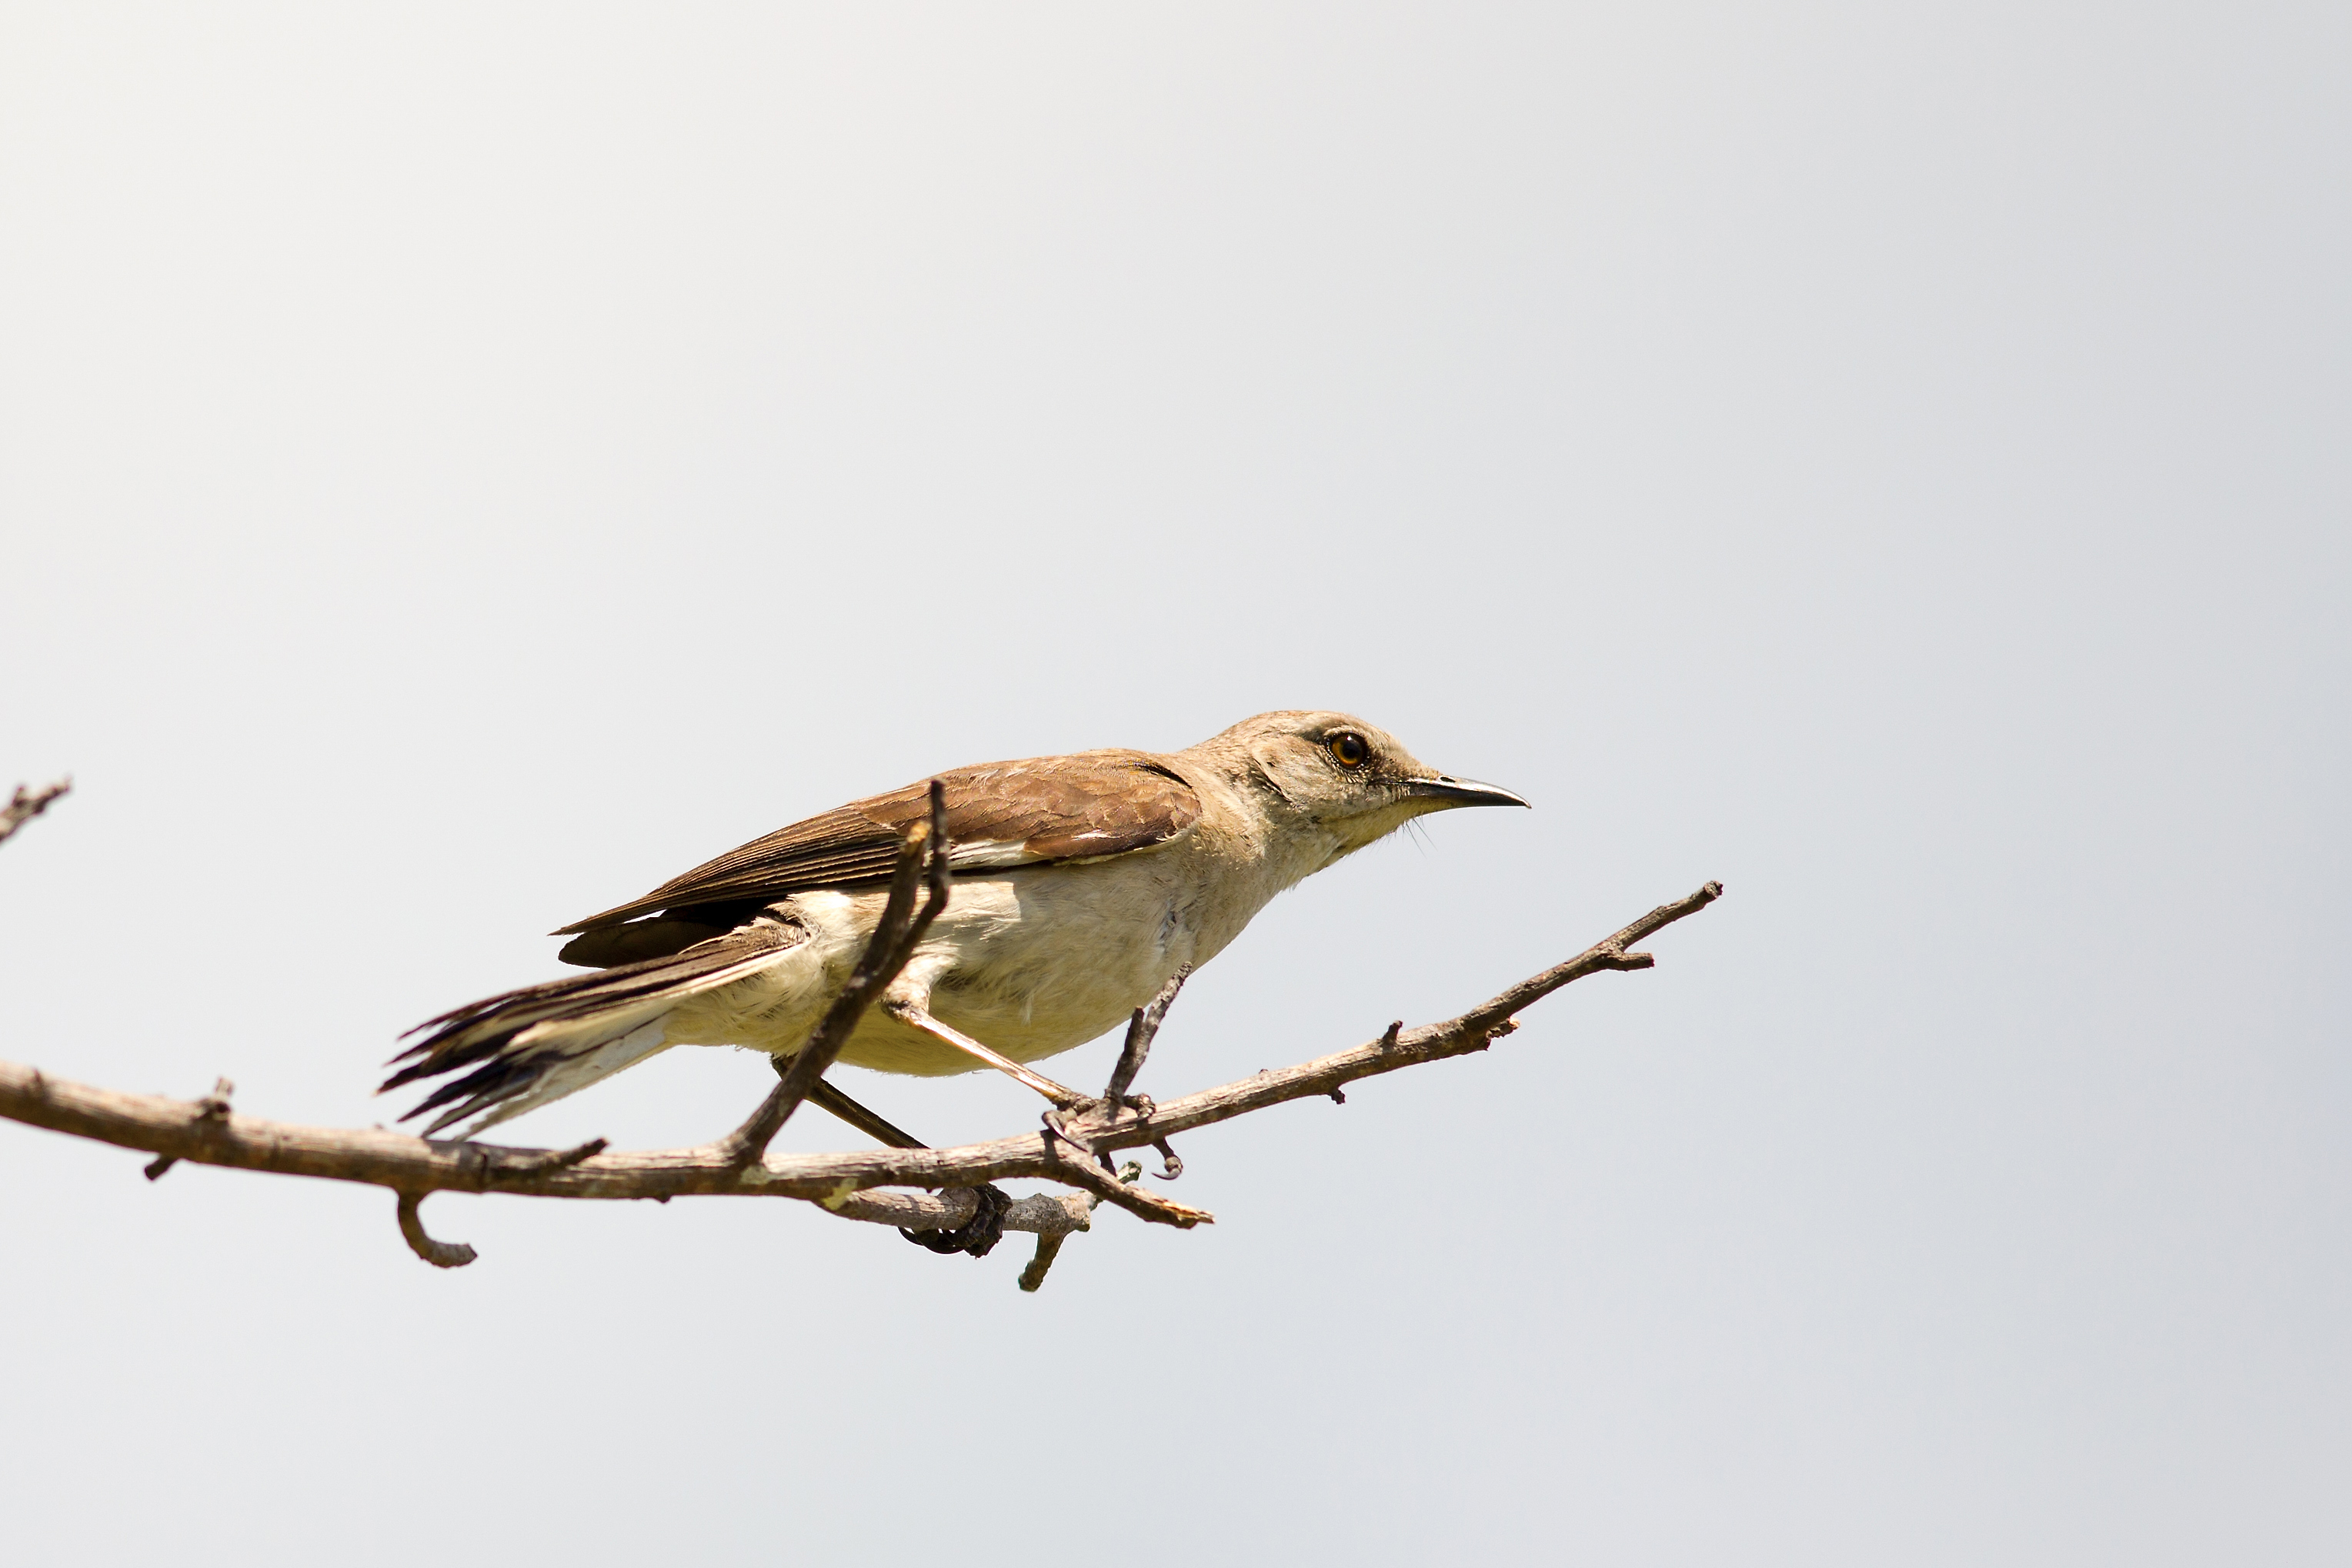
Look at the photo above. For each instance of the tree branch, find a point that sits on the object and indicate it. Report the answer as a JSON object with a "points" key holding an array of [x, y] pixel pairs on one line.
{"points": [[207, 1132]]}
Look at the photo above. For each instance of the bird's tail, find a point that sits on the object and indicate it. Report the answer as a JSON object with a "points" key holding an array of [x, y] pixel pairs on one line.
{"points": [[527, 1048]]}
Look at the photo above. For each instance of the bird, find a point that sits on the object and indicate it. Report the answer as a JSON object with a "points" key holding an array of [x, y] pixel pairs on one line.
{"points": [[1080, 885]]}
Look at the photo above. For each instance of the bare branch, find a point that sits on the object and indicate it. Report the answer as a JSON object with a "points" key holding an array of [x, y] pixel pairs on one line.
{"points": [[207, 1132], [1397, 1047], [26, 805]]}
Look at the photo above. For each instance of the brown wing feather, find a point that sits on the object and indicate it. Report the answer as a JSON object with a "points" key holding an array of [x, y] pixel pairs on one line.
{"points": [[1079, 807]]}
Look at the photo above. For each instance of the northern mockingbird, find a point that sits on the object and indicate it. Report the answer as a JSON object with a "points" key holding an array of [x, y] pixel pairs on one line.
{"points": [[1081, 885]]}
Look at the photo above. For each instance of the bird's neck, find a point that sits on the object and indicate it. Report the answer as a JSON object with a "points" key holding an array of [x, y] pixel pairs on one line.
{"points": [[1254, 833]]}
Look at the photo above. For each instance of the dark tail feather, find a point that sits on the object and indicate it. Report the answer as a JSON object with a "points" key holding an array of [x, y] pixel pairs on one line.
{"points": [[516, 1040]]}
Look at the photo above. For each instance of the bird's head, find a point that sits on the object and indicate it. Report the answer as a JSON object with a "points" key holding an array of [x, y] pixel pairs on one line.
{"points": [[1353, 780]]}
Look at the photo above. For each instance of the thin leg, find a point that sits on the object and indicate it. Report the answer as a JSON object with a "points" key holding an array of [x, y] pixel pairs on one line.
{"points": [[826, 1098], [914, 1016]]}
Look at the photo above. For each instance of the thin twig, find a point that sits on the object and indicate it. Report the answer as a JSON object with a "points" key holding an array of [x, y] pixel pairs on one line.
{"points": [[26, 805], [1049, 1242], [1049, 1248], [440, 1254]]}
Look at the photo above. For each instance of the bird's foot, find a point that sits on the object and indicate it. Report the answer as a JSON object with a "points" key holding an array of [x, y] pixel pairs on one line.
{"points": [[1100, 1109], [977, 1236], [1081, 1118], [1078, 1137]]}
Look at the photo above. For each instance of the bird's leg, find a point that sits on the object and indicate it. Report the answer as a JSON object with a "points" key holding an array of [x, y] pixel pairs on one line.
{"points": [[1141, 1029], [915, 1016], [831, 1100]]}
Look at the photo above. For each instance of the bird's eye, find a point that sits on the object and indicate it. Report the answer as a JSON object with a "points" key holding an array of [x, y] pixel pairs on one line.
{"points": [[1349, 749]]}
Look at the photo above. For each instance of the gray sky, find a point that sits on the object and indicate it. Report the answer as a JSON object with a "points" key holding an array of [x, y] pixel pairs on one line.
{"points": [[460, 465]]}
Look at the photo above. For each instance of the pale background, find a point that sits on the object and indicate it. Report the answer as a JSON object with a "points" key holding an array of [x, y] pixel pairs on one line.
{"points": [[464, 463]]}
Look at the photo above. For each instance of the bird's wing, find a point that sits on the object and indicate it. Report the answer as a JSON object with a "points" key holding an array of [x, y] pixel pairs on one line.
{"points": [[1080, 807]]}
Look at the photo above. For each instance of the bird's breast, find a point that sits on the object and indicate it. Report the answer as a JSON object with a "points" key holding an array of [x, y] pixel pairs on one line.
{"points": [[1043, 962]]}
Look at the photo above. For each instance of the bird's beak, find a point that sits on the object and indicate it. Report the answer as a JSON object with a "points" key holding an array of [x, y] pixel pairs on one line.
{"points": [[1460, 792]]}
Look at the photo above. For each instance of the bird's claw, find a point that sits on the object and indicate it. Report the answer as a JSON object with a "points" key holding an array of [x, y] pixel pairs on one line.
{"points": [[1054, 1128]]}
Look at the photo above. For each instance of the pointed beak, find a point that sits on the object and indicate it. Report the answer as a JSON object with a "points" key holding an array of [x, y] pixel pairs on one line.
{"points": [[1460, 792]]}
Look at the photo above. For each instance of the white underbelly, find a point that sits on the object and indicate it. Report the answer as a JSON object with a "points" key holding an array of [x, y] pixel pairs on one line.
{"points": [[1033, 965]]}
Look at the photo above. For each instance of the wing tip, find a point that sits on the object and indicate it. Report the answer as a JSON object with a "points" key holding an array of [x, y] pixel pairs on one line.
{"points": [[591, 923]]}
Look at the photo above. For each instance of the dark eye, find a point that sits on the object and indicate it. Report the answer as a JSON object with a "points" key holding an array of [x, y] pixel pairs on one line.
{"points": [[1349, 749]]}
